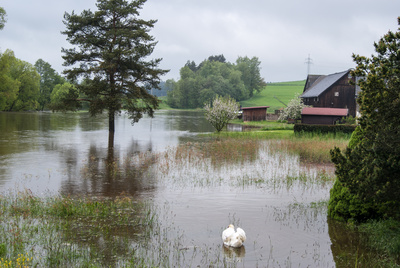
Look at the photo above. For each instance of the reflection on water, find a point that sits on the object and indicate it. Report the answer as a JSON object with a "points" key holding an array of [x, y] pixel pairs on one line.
{"points": [[47, 151], [239, 128], [196, 189], [234, 254]]}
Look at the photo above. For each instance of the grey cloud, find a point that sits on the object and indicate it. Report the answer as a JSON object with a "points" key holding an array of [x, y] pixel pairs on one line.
{"points": [[280, 33]]}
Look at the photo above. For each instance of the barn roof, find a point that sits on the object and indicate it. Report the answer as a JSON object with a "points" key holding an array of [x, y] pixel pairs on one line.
{"points": [[322, 83], [258, 107], [324, 111], [311, 79]]}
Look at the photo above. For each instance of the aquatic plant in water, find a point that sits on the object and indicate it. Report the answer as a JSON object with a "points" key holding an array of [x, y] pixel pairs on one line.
{"points": [[70, 231]]}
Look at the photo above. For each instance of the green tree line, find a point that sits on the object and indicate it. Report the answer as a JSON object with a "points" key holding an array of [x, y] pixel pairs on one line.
{"points": [[24, 86], [200, 84]]}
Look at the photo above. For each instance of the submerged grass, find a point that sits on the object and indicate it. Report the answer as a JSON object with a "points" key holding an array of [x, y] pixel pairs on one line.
{"points": [[69, 232], [238, 163], [86, 232], [265, 124], [271, 134], [310, 147], [315, 150], [229, 150]]}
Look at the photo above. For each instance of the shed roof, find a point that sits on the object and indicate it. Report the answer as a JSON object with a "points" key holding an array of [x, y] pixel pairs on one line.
{"points": [[325, 111], [322, 83], [258, 107]]}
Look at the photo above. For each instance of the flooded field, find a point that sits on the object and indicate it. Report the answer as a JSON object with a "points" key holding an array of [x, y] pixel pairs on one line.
{"points": [[280, 204], [162, 197]]}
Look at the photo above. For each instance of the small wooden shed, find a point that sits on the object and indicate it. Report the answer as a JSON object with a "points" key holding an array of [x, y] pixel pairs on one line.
{"points": [[322, 116], [255, 113]]}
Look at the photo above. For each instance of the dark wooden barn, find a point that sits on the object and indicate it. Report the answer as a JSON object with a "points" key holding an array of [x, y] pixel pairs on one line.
{"points": [[322, 116], [255, 113], [331, 91]]}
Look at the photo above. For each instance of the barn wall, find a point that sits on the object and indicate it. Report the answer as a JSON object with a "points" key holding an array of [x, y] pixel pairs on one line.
{"points": [[254, 114], [340, 95]]}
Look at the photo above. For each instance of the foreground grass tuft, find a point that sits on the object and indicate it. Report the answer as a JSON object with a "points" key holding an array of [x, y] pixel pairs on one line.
{"points": [[383, 236]]}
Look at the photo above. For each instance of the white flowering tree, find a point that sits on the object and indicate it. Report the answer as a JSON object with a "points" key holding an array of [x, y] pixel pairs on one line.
{"points": [[293, 109], [221, 111]]}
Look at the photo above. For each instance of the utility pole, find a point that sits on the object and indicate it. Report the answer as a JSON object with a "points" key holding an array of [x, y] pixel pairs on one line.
{"points": [[308, 62]]}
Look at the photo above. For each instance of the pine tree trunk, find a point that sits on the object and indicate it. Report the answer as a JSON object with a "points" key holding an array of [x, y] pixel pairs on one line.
{"points": [[111, 128]]}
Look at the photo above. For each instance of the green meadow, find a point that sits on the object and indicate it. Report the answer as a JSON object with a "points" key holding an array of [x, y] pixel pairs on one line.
{"points": [[274, 94]]}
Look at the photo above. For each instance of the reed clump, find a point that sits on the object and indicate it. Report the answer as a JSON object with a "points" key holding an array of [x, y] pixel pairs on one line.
{"points": [[218, 151], [311, 147], [315, 149], [229, 150]]}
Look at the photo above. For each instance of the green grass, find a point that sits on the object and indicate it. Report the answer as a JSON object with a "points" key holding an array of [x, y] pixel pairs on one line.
{"points": [[284, 91], [265, 125], [383, 236]]}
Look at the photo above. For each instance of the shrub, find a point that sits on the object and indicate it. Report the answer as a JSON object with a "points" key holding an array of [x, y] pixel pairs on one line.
{"points": [[223, 110], [324, 129], [344, 206], [367, 185], [293, 109]]}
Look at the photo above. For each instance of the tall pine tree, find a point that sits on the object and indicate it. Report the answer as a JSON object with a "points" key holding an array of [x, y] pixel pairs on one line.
{"points": [[111, 53]]}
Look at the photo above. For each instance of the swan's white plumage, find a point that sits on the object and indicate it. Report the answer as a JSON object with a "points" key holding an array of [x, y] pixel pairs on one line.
{"points": [[241, 232], [232, 238], [228, 232]]}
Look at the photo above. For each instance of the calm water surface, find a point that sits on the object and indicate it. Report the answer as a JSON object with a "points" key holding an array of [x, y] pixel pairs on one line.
{"points": [[46, 152], [286, 224]]}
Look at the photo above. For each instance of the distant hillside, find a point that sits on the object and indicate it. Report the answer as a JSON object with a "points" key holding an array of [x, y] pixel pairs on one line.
{"points": [[274, 93]]}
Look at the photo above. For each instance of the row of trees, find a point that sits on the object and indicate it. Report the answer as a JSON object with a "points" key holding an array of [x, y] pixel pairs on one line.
{"points": [[199, 84], [24, 86]]}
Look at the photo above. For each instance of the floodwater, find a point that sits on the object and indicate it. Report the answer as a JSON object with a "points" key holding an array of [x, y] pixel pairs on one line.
{"points": [[46, 152], [278, 201]]}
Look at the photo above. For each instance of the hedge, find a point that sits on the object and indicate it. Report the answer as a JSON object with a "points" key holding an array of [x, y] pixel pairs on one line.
{"points": [[324, 128]]}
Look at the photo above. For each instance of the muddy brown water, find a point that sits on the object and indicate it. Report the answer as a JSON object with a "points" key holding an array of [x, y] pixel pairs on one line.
{"points": [[285, 221]]}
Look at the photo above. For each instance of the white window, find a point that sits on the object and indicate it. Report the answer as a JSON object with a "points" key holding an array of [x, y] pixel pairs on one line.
{"points": [[336, 94]]}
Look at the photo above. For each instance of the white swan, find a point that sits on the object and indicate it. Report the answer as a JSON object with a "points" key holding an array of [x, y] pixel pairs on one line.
{"points": [[232, 238]]}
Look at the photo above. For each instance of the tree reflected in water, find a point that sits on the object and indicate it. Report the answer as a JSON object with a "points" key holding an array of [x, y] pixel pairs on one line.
{"points": [[107, 172]]}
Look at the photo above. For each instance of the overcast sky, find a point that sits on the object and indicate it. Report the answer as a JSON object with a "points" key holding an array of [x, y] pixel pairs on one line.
{"points": [[282, 34]]}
